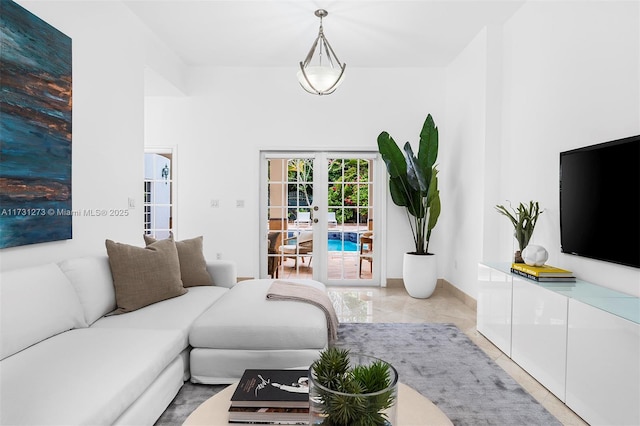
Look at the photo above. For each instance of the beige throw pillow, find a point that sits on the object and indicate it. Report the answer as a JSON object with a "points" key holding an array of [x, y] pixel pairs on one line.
{"points": [[142, 276], [193, 266]]}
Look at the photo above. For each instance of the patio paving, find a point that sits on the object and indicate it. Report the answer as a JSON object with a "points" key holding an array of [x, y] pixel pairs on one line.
{"points": [[341, 265], [336, 262]]}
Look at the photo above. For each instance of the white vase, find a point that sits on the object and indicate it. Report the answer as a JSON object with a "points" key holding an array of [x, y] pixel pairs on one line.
{"points": [[420, 274]]}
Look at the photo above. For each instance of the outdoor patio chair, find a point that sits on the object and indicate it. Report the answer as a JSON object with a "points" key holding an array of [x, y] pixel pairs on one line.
{"points": [[303, 218], [273, 257], [303, 245], [366, 251], [331, 219]]}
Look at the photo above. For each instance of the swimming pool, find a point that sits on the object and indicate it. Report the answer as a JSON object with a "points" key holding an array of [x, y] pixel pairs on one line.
{"points": [[336, 245], [335, 241]]}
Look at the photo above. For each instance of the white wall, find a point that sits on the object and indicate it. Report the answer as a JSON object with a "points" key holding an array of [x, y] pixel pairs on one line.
{"points": [[556, 76], [461, 158], [108, 102], [233, 113], [571, 79]]}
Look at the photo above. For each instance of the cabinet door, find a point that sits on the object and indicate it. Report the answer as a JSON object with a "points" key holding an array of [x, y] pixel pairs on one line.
{"points": [[494, 307], [539, 334], [603, 366]]}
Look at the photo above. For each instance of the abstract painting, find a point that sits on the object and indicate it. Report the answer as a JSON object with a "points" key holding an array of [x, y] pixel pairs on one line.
{"points": [[35, 129]]}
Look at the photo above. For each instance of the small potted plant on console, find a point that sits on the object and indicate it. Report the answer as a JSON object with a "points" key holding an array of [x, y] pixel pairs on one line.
{"points": [[524, 220]]}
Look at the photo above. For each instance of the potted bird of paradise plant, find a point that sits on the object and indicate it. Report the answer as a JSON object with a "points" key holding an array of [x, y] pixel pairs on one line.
{"points": [[413, 184]]}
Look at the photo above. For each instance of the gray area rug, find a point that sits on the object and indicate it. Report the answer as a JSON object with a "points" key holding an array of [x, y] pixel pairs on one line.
{"points": [[438, 360]]}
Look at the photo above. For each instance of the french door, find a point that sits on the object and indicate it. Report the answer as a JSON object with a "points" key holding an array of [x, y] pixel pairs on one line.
{"points": [[159, 192], [318, 217]]}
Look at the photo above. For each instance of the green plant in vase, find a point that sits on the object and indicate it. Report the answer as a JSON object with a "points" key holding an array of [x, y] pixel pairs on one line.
{"points": [[343, 394], [524, 220], [413, 184]]}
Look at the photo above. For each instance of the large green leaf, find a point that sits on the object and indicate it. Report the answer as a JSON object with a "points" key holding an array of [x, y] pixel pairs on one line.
{"points": [[415, 174], [397, 187], [392, 156], [415, 207], [434, 211], [428, 148], [433, 185]]}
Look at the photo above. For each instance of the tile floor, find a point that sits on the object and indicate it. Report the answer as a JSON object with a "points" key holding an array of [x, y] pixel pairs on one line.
{"points": [[393, 304]]}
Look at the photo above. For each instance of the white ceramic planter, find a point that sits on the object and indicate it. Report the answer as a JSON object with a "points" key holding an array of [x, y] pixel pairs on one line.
{"points": [[420, 274]]}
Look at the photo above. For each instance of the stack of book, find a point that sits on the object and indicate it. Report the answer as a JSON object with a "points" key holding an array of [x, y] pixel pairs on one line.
{"points": [[543, 273], [271, 397]]}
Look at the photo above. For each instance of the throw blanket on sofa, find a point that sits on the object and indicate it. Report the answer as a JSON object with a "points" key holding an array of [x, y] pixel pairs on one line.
{"points": [[284, 290]]}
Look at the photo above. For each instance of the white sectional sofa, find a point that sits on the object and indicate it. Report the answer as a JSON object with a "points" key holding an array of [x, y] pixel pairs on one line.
{"points": [[66, 361]]}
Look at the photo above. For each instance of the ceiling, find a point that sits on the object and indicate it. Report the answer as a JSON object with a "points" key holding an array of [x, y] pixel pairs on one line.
{"points": [[363, 33]]}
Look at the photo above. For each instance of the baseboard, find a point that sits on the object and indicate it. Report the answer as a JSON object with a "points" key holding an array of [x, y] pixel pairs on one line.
{"points": [[441, 286], [395, 282], [469, 301]]}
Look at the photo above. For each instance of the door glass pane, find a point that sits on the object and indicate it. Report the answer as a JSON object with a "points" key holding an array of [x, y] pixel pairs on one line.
{"points": [[350, 236], [158, 190], [290, 199]]}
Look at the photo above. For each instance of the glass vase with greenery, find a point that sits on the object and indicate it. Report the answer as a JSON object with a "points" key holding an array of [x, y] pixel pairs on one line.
{"points": [[348, 389]]}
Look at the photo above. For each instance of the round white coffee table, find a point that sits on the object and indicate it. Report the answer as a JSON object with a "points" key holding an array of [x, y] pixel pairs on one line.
{"points": [[413, 409]]}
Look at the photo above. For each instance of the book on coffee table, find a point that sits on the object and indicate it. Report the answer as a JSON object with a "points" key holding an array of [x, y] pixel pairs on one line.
{"points": [[272, 388], [269, 415]]}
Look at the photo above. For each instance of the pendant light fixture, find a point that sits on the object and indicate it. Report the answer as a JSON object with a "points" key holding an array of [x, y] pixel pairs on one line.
{"points": [[323, 73]]}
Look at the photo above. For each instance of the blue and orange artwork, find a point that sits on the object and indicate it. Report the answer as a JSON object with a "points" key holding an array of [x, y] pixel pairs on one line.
{"points": [[35, 129]]}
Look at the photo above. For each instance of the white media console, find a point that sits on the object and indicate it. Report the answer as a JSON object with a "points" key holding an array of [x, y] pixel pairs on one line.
{"points": [[579, 340]]}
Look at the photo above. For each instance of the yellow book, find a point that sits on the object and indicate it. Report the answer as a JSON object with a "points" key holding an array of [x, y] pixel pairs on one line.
{"points": [[542, 271]]}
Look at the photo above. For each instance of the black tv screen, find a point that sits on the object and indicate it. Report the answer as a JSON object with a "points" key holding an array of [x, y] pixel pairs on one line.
{"points": [[600, 201]]}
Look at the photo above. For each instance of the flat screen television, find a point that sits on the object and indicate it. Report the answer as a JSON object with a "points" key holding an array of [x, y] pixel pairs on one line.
{"points": [[600, 201]]}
